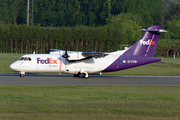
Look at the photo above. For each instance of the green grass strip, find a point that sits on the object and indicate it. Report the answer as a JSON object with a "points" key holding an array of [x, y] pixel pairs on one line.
{"points": [[89, 102]]}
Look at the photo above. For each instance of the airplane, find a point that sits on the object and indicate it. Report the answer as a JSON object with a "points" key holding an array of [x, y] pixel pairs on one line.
{"points": [[85, 63]]}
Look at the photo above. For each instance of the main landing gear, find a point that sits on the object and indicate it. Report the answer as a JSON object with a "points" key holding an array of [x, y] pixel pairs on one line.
{"points": [[77, 75], [84, 74]]}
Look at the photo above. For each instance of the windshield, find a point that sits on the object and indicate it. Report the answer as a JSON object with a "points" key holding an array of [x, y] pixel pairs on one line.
{"points": [[22, 58], [25, 58]]}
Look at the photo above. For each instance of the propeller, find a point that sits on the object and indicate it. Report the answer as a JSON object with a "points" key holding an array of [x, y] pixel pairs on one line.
{"points": [[47, 51], [66, 54]]}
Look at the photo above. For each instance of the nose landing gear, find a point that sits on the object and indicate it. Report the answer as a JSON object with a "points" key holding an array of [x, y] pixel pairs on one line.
{"points": [[21, 74]]}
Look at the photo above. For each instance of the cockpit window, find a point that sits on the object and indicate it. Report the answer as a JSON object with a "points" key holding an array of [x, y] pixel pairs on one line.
{"points": [[22, 58], [25, 58], [29, 59]]}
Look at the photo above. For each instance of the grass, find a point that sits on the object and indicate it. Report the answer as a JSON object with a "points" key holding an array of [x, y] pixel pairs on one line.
{"points": [[89, 102], [167, 67], [153, 69], [6, 60]]}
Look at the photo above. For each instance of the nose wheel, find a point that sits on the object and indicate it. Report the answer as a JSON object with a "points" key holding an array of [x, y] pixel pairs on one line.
{"points": [[21, 74]]}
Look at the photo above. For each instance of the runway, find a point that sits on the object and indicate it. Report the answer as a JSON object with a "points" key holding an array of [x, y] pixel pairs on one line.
{"points": [[97, 80]]}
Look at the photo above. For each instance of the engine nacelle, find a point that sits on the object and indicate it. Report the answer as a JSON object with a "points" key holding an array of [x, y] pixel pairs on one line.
{"points": [[75, 56]]}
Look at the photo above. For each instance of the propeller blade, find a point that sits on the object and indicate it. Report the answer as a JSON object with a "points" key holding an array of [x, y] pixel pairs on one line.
{"points": [[66, 54], [46, 51]]}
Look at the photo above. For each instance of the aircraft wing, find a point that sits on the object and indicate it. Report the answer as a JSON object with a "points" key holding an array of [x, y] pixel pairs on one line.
{"points": [[73, 56], [94, 54], [54, 50]]}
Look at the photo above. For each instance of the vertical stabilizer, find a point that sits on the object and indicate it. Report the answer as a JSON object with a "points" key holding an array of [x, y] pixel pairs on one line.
{"points": [[146, 46]]}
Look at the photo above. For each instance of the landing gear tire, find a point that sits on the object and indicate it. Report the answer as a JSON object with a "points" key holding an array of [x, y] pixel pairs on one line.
{"points": [[21, 75], [76, 75], [85, 75]]}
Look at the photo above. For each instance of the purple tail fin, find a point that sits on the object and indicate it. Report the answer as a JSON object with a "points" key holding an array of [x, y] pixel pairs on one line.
{"points": [[146, 46]]}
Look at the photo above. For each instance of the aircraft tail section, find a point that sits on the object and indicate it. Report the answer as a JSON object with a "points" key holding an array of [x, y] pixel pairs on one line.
{"points": [[146, 46]]}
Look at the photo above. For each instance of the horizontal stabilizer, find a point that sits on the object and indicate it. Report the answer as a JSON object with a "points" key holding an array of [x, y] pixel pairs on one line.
{"points": [[157, 31]]}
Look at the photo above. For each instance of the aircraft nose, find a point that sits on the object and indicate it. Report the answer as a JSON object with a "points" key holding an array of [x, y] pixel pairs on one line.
{"points": [[13, 66]]}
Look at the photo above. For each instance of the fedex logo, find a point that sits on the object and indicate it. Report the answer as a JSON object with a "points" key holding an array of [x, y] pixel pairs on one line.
{"points": [[149, 42], [46, 61]]}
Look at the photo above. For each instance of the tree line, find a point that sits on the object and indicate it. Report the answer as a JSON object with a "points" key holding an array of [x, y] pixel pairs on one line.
{"points": [[27, 39], [83, 25], [78, 12]]}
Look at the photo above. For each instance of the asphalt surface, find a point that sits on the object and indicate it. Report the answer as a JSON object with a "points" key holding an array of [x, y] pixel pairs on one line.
{"points": [[33, 79]]}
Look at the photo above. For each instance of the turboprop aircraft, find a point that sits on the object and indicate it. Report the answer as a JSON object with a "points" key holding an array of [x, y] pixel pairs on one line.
{"points": [[85, 63]]}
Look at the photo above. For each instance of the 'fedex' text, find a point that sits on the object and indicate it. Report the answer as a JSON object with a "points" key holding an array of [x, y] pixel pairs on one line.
{"points": [[46, 61], [149, 42]]}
